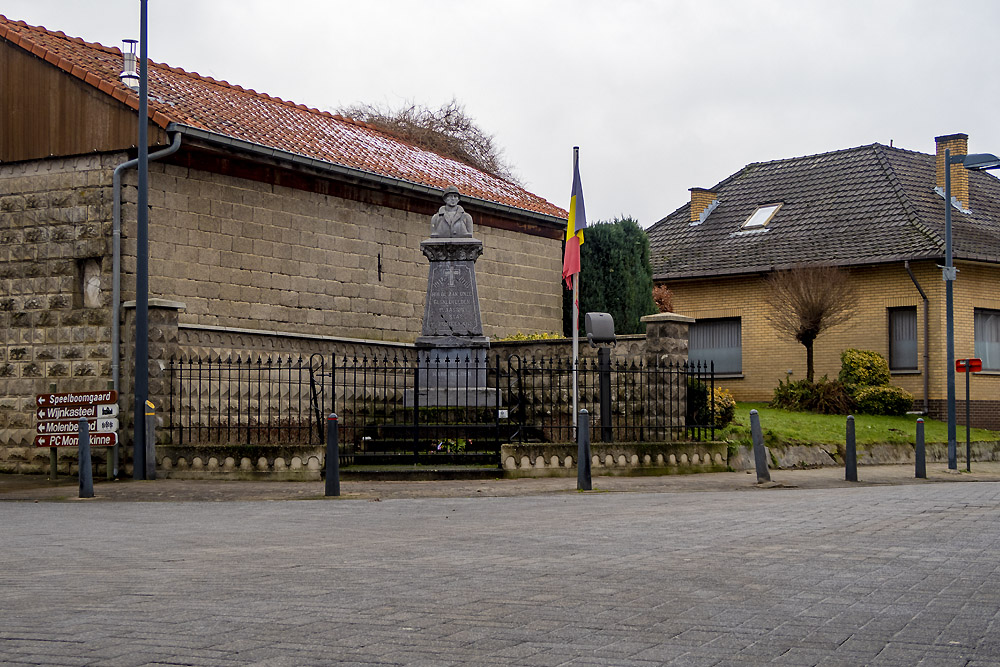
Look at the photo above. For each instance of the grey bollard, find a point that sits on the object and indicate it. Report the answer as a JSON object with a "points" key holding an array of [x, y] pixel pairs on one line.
{"points": [[583, 480], [83, 452], [851, 456], [150, 441], [759, 454], [920, 454], [332, 456]]}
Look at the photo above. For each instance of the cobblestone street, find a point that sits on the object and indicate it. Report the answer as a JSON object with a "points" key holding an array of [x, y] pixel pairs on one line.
{"points": [[877, 574]]}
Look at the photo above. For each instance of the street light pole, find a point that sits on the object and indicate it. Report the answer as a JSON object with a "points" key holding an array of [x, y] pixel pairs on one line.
{"points": [[975, 162], [141, 381], [949, 282]]}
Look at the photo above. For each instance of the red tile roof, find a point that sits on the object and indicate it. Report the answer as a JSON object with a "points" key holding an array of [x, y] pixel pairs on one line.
{"points": [[225, 109]]}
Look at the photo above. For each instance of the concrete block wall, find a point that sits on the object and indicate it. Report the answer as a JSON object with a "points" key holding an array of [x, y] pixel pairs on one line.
{"points": [[247, 254], [55, 237]]}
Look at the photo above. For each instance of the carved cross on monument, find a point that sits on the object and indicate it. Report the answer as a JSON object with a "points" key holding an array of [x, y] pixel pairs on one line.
{"points": [[451, 272]]}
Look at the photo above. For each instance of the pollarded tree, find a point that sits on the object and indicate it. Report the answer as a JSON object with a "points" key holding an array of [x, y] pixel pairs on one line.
{"points": [[806, 301]]}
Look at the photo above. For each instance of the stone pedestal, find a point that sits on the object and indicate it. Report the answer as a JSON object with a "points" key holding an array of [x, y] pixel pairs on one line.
{"points": [[451, 349]]}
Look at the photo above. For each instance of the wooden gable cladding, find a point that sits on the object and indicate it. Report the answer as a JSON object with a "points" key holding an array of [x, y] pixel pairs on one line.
{"points": [[49, 112]]}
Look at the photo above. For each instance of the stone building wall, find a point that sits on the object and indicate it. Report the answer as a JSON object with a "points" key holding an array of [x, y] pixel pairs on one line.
{"points": [[238, 253], [55, 292], [252, 255]]}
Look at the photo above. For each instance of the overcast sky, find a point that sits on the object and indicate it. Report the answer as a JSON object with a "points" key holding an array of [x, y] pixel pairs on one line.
{"points": [[661, 96]]}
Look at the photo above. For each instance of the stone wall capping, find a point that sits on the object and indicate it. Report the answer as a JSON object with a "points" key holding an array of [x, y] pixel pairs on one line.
{"points": [[290, 334], [158, 303], [665, 317]]}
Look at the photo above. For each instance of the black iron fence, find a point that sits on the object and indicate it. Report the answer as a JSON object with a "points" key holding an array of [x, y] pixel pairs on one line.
{"points": [[434, 408]]}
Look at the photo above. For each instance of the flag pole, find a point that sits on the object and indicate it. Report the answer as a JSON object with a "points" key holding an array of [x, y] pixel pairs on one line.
{"points": [[576, 346], [576, 318]]}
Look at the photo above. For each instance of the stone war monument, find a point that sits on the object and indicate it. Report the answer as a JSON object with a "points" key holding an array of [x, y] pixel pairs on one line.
{"points": [[451, 348]]}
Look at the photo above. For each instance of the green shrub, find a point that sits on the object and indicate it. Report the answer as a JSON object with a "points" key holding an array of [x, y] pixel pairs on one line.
{"points": [[725, 407], [862, 368], [884, 400], [700, 412], [542, 335], [827, 397]]}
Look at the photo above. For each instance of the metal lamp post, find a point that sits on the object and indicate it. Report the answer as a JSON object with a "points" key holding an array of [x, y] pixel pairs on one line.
{"points": [[141, 382], [974, 162]]}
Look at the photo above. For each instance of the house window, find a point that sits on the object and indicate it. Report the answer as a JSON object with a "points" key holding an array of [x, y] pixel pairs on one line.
{"points": [[903, 339], [761, 216], [717, 341], [987, 324]]}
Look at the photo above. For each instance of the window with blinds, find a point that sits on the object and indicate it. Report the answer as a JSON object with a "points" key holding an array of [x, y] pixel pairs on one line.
{"points": [[987, 324], [718, 341], [903, 339]]}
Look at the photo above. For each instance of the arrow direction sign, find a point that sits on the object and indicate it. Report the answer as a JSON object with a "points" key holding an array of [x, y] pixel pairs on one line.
{"points": [[75, 412], [101, 425], [76, 398], [73, 440]]}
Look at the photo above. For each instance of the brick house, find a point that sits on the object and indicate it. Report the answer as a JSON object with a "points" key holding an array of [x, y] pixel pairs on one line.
{"points": [[269, 222], [877, 211]]}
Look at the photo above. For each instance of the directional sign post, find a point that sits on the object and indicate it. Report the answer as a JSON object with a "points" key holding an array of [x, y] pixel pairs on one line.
{"points": [[59, 417], [968, 366]]}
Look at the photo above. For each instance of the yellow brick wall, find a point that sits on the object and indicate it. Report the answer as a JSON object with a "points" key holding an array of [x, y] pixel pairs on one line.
{"points": [[767, 356]]}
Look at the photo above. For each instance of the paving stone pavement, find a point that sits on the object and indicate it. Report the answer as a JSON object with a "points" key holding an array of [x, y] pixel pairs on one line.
{"points": [[880, 574]]}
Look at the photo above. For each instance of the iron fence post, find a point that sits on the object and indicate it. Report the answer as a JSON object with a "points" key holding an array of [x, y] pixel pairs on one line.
{"points": [[604, 374]]}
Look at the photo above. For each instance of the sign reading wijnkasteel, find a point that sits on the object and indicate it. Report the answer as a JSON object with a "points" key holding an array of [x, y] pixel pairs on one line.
{"points": [[102, 425], [73, 440], [75, 412], [77, 398]]}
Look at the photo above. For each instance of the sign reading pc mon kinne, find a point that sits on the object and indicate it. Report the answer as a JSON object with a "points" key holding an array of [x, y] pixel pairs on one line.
{"points": [[73, 440]]}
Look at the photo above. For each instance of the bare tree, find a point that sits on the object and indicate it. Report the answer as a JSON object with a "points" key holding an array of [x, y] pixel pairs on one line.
{"points": [[807, 300], [448, 131]]}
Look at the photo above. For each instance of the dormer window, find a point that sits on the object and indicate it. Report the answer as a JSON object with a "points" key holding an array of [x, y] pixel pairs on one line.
{"points": [[760, 217]]}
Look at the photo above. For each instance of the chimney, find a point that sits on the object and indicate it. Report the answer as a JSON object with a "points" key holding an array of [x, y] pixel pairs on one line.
{"points": [[129, 75], [703, 202], [958, 144]]}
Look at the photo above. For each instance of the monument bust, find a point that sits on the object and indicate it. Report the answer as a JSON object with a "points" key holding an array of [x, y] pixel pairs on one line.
{"points": [[451, 220]]}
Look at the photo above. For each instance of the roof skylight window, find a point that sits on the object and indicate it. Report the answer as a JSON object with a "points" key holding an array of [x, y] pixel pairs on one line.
{"points": [[760, 217]]}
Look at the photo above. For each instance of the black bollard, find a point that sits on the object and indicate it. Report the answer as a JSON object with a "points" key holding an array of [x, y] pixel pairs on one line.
{"points": [[920, 454], [583, 481], [83, 453], [851, 457], [759, 453], [150, 441], [332, 456]]}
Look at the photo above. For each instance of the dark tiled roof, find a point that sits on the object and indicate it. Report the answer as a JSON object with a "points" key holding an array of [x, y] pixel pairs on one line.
{"points": [[231, 111], [864, 205]]}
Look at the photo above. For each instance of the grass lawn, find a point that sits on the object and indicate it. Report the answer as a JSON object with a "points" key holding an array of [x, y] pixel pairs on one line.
{"points": [[810, 428]]}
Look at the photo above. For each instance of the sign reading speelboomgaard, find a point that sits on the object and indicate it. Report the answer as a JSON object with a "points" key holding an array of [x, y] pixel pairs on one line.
{"points": [[59, 418], [77, 398]]}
